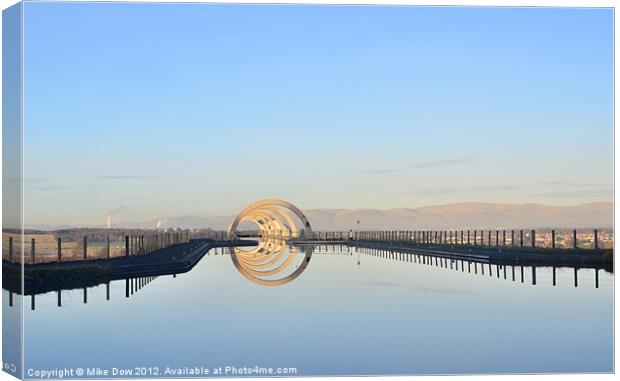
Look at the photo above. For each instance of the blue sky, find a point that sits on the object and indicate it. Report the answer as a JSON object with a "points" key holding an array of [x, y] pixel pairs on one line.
{"points": [[178, 109]]}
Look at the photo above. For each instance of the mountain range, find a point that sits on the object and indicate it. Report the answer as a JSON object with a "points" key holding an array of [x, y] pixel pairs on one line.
{"points": [[457, 216]]}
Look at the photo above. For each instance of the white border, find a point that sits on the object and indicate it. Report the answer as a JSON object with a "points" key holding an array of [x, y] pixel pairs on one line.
{"points": [[531, 3]]}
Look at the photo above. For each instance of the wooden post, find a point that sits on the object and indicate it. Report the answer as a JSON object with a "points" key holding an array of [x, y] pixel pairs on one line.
{"points": [[574, 239], [126, 245], [512, 237], [595, 239], [32, 249], [533, 234], [533, 275], [475, 239], [504, 238], [108, 247], [468, 240], [107, 291], [10, 248], [521, 234], [554, 276], [553, 239], [59, 250], [85, 247], [59, 297]]}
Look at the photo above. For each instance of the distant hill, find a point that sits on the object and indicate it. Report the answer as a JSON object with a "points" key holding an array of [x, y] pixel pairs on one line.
{"points": [[462, 215], [468, 215]]}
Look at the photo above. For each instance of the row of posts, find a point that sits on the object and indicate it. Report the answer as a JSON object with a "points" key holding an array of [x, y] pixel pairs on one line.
{"points": [[334, 236], [461, 237], [134, 245]]}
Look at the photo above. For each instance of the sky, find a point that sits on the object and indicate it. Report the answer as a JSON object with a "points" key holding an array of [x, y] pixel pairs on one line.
{"points": [[198, 109]]}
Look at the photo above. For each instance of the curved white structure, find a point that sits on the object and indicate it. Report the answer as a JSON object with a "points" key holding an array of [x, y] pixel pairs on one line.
{"points": [[273, 220]]}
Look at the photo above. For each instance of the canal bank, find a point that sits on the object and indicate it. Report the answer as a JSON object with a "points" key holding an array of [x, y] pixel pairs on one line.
{"points": [[44, 277]]}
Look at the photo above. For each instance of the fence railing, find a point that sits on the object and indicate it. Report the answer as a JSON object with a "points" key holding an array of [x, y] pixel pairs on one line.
{"points": [[43, 248], [547, 238], [333, 235]]}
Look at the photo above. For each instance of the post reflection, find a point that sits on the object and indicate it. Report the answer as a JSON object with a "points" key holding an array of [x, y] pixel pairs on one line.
{"points": [[495, 270]]}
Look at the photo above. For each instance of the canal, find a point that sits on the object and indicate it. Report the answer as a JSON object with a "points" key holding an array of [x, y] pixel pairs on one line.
{"points": [[334, 310]]}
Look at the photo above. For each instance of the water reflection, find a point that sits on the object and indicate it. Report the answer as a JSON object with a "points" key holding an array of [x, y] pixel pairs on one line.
{"points": [[348, 310], [493, 270], [272, 262]]}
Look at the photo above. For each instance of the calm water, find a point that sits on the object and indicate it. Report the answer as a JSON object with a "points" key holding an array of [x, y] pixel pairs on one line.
{"points": [[349, 313]]}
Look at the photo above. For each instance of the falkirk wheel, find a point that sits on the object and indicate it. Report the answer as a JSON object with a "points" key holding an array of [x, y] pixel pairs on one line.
{"points": [[275, 219]]}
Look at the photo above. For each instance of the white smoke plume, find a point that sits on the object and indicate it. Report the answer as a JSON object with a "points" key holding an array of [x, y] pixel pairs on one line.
{"points": [[113, 213], [160, 222]]}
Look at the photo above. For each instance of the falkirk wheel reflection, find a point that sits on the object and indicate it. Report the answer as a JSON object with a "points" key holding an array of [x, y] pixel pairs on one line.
{"points": [[272, 262], [275, 219]]}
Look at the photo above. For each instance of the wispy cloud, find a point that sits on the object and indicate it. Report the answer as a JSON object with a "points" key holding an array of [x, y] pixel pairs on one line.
{"points": [[125, 177], [442, 163], [26, 180], [447, 190], [422, 165], [578, 193], [381, 171], [46, 188], [571, 184], [559, 189]]}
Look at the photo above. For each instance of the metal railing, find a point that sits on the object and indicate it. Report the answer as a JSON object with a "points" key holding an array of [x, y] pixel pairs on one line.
{"points": [[43, 248], [542, 238]]}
